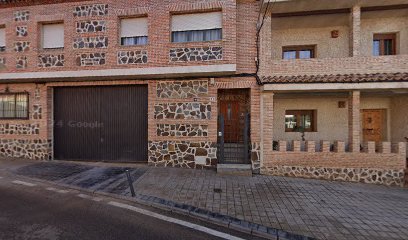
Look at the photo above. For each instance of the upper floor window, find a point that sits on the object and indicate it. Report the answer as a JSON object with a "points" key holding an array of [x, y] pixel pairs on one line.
{"points": [[298, 52], [300, 121], [133, 31], [53, 36], [197, 27], [14, 106], [2, 39], [384, 44]]}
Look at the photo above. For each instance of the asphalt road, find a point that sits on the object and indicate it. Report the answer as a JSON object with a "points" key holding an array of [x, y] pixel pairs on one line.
{"points": [[36, 213]]}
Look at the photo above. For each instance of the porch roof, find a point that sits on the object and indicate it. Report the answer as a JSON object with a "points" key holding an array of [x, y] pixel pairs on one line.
{"points": [[337, 78]]}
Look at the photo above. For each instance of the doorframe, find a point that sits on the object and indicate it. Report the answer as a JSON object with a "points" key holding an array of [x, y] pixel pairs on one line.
{"points": [[246, 92]]}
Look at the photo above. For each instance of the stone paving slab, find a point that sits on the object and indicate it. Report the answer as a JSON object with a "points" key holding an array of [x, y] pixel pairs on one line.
{"points": [[320, 209], [314, 208]]}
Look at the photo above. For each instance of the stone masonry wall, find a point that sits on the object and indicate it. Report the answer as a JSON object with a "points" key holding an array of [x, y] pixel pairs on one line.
{"points": [[132, 57], [184, 154], [91, 26], [30, 149], [19, 129], [21, 62], [49, 60], [184, 129], [96, 25], [27, 138], [195, 54], [90, 42], [22, 46], [91, 59], [182, 89], [181, 123], [193, 110], [21, 31], [363, 175], [21, 16], [91, 10]]}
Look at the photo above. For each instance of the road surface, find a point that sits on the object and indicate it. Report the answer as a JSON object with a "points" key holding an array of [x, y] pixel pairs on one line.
{"points": [[31, 210]]}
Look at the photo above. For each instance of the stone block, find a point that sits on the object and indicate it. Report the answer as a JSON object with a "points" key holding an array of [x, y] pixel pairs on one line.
{"points": [[196, 54], [91, 10], [49, 60]]}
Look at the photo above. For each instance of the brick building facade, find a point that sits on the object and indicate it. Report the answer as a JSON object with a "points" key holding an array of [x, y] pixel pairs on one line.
{"points": [[75, 101], [334, 88], [184, 80]]}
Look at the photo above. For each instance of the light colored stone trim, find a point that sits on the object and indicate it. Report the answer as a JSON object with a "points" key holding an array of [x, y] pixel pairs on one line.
{"points": [[165, 72], [334, 86]]}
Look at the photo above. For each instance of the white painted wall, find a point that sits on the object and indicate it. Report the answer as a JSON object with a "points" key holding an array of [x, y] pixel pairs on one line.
{"points": [[332, 122]]}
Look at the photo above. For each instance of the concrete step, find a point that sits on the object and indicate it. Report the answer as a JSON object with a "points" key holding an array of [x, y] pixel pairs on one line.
{"points": [[235, 169]]}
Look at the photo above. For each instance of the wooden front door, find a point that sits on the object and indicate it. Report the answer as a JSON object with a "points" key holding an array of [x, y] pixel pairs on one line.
{"points": [[373, 125], [230, 111]]}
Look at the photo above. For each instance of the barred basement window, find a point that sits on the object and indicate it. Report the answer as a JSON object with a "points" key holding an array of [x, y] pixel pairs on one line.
{"points": [[300, 121], [197, 27], [14, 106], [133, 31]]}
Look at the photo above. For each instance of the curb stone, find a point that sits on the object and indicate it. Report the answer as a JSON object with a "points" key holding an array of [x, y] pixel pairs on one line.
{"points": [[192, 211]]}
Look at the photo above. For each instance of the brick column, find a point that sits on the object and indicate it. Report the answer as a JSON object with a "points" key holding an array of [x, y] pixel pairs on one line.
{"points": [[266, 125], [354, 121], [355, 31]]}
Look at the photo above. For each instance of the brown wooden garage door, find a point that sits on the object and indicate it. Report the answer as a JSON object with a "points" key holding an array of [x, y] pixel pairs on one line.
{"points": [[101, 123]]}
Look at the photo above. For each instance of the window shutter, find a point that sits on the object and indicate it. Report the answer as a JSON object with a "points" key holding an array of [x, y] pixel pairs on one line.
{"points": [[196, 21], [53, 35], [134, 27], [2, 37]]}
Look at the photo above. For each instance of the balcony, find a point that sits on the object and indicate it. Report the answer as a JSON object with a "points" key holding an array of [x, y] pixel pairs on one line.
{"points": [[342, 40], [344, 65], [298, 6]]}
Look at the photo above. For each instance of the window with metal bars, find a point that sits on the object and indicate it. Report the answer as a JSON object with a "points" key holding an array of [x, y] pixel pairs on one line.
{"points": [[14, 106]]}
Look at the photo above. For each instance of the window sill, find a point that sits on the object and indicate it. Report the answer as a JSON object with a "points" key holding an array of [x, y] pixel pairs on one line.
{"points": [[50, 50], [197, 43], [133, 46], [3, 119], [301, 132]]}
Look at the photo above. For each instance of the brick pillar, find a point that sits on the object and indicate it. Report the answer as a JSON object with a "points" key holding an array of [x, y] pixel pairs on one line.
{"points": [[310, 146], [324, 146], [266, 125], [354, 121], [355, 31]]}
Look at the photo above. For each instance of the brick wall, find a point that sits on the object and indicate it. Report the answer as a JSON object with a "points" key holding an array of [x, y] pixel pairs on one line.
{"points": [[386, 167], [317, 66], [180, 140], [237, 15]]}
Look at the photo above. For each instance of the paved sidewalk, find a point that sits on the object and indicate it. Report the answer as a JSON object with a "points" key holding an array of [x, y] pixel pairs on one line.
{"points": [[320, 209]]}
